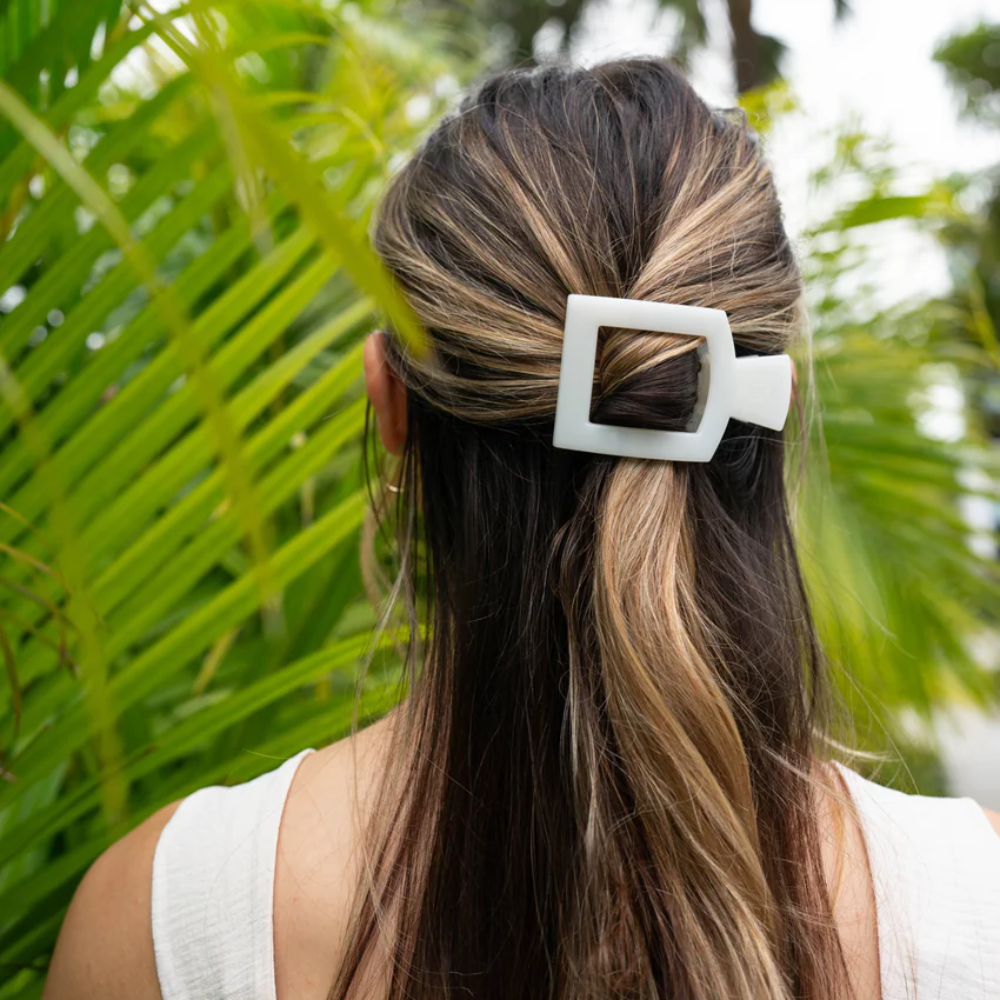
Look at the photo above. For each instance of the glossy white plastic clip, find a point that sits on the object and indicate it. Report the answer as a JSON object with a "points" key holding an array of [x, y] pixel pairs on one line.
{"points": [[756, 389]]}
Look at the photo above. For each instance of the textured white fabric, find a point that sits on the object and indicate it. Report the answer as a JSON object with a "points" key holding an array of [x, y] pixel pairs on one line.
{"points": [[936, 874], [935, 867], [213, 890]]}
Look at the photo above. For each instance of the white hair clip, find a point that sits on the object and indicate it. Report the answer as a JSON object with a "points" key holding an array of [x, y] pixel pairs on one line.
{"points": [[756, 389]]}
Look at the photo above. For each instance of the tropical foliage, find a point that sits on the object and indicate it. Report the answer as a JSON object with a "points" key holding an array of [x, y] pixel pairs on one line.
{"points": [[900, 583], [972, 62], [184, 283]]}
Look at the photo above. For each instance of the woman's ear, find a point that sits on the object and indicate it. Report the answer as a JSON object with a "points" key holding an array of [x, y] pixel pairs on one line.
{"points": [[386, 392]]}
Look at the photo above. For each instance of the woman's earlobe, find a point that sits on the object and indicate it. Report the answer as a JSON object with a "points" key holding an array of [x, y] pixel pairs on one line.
{"points": [[386, 392]]}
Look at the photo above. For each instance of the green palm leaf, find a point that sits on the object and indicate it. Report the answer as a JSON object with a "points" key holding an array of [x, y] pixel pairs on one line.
{"points": [[182, 371]]}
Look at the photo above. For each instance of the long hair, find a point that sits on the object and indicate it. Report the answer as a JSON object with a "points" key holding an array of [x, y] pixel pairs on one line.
{"points": [[601, 786]]}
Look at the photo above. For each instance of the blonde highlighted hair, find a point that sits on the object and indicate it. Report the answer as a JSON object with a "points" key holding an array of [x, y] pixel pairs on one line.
{"points": [[604, 772]]}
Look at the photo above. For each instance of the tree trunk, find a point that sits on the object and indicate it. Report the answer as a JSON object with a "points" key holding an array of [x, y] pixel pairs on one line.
{"points": [[746, 46]]}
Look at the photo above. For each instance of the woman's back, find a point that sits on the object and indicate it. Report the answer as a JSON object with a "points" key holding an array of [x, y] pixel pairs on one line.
{"points": [[241, 911], [229, 908]]}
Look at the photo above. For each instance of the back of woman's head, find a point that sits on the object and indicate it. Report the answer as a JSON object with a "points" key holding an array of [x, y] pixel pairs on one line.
{"points": [[605, 764]]}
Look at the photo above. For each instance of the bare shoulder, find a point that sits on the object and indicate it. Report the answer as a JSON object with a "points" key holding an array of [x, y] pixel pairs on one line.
{"points": [[317, 865], [105, 947], [848, 875]]}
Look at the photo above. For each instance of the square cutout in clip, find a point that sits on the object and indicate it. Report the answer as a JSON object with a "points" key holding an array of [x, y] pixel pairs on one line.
{"points": [[756, 389]]}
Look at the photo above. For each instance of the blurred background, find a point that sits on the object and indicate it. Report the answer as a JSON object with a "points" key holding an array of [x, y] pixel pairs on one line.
{"points": [[185, 283]]}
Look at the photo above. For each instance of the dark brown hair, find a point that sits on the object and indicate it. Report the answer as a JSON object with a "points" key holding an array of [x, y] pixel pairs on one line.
{"points": [[601, 786]]}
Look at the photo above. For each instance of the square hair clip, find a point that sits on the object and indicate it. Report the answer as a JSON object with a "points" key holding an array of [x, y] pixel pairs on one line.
{"points": [[756, 389]]}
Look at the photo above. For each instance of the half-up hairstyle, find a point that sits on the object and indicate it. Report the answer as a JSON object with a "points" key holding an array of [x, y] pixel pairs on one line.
{"points": [[602, 782]]}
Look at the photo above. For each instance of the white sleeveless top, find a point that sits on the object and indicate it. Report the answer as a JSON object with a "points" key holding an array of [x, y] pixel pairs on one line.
{"points": [[935, 865]]}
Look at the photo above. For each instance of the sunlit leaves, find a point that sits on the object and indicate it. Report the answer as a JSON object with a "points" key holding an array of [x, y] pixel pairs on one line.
{"points": [[184, 252]]}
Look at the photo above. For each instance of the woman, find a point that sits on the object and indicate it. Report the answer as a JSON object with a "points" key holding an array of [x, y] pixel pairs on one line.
{"points": [[608, 779]]}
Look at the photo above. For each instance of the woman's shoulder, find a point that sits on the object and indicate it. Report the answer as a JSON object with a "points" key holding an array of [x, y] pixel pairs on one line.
{"points": [[944, 845], [108, 947], [105, 946], [878, 802], [319, 858], [934, 866]]}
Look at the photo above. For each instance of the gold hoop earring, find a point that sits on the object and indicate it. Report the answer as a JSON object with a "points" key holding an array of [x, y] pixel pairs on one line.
{"points": [[386, 484]]}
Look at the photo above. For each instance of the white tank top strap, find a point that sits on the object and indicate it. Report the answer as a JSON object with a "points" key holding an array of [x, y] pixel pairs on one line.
{"points": [[935, 867], [213, 890]]}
